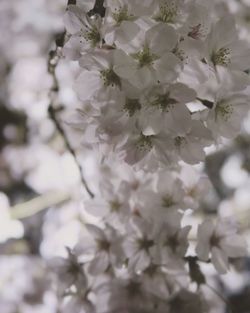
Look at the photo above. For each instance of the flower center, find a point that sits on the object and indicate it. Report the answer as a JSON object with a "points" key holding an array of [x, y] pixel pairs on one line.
{"points": [[74, 269], [103, 245], [167, 13], [179, 140], [110, 78], [131, 106], [164, 102], [115, 206], [145, 243], [145, 143], [121, 14], [145, 57], [172, 242], [221, 57], [167, 201], [224, 111], [215, 241], [93, 36], [179, 53]]}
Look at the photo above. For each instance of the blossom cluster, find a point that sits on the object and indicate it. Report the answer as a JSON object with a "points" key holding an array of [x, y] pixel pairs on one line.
{"points": [[159, 81], [135, 253]]}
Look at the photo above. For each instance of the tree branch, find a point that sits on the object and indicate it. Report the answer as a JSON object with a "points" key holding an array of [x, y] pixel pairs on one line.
{"points": [[53, 111]]}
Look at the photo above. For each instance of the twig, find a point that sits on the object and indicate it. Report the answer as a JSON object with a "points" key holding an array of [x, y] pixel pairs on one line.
{"points": [[52, 110]]}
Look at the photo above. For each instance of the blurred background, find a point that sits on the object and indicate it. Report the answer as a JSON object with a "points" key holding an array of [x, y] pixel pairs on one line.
{"points": [[41, 189]]}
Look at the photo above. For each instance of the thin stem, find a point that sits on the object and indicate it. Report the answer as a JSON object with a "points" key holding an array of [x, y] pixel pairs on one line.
{"points": [[53, 111]]}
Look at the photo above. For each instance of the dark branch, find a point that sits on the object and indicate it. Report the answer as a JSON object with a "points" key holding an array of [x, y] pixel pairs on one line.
{"points": [[53, 111]]}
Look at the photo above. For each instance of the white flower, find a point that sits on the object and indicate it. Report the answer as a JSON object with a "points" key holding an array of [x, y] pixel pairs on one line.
{"points": [[224, 47], [164, 108], [120, 27], [139, 244], [173, 243], [113, 205], [106, 247], [166, 200], [189, 147], [157, 282], [198, 22], [69, 270], [195, 184], [152, 60], [85, 32], [169, 11], [229, 109], [222, 241], [98, 79], [146, 150]]}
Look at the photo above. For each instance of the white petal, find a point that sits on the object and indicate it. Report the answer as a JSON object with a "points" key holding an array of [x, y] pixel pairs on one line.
{"points": [[97, 207], [126, 32], [142, 78], [99, 264], [72, 19], [235, 246], [140, 261], [219, 260], [179, 119], [124, 65], [87, 84], [182, 93], [95, 231], [161, 38], [167, 67]]}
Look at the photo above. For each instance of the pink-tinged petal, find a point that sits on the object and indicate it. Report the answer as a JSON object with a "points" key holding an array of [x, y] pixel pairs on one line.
{"points": [[219, 260]]}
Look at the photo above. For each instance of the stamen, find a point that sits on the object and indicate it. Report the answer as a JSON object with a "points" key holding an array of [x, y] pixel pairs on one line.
{"points": [[121, 15], [110, 78], [167, 13], [221, 57], [145, 57]]}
